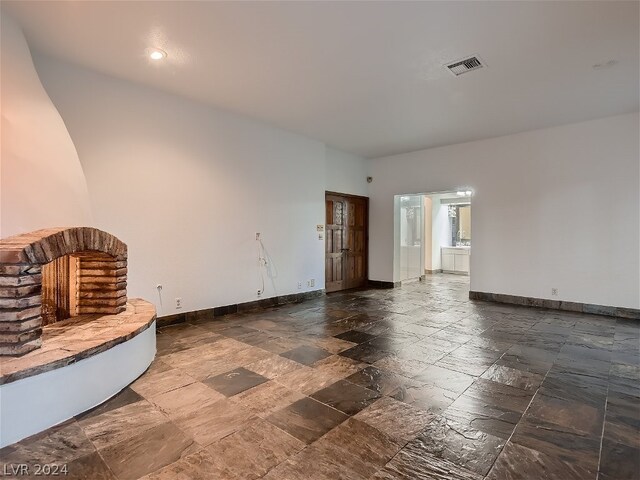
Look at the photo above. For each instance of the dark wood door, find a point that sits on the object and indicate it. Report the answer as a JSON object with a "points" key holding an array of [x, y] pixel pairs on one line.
{"points": [[346, 241]]}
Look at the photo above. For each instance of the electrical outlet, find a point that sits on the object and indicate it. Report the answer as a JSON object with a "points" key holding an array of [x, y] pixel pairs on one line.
{"points": [[299, 285], [259, 292], [554, 292], [178, 302], [159, 286], [257, 235], [312, 282]]}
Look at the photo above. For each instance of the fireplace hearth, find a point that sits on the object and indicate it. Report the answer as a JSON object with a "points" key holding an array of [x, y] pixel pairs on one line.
{"points": [[69, 336]]}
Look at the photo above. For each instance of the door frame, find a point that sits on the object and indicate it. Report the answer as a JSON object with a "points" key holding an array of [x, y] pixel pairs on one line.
{"points": [[396, 225], [366, 235]]}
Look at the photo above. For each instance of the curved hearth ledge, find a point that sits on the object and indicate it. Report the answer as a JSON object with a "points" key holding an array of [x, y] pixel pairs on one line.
{"points": [[84, 361]]}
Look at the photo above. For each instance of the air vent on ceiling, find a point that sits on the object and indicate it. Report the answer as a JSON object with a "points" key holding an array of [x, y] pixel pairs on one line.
{"points": [[466, 65]]}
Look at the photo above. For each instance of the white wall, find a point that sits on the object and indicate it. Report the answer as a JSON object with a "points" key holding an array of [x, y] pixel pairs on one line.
{"points": [[41, 179], [346, 173], [187, 187], [553, 208]]}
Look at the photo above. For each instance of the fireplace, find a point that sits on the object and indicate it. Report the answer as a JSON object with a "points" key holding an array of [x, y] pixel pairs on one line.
{"points": [[69, 336], [51, 275]]}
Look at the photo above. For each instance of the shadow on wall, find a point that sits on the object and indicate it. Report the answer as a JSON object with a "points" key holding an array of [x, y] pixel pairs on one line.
{"points": [[36, 148]]}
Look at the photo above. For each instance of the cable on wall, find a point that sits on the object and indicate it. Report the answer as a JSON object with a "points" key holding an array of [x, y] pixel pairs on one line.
{"points": [[262, 262]]}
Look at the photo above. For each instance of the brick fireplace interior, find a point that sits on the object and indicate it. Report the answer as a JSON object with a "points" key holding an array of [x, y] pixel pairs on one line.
{"points": [[82, 283]]}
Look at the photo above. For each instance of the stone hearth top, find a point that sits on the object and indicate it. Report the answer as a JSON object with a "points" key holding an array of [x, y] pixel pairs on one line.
{"points": [[76, 338]]}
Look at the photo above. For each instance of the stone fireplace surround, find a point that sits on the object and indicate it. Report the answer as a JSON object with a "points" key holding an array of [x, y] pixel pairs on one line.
{"points": [[69, 337], [93, 281]]}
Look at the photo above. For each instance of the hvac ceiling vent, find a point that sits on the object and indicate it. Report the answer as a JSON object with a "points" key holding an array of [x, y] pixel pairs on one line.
{"points": [[466, 65]]}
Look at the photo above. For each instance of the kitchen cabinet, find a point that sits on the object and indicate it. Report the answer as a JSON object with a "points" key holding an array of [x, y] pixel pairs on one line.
{"points": [[455, 259]]}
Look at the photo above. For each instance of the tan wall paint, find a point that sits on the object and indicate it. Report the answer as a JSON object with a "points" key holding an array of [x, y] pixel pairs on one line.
{"points": [[465, 221]]}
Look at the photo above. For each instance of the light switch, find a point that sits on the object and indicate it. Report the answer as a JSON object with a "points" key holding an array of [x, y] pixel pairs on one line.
{"points": [[320, 228]]}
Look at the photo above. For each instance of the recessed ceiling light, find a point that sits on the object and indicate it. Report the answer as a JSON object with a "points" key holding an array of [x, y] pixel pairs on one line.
{"points": [[157, 54]]}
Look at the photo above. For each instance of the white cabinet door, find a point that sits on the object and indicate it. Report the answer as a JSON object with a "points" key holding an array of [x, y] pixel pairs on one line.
{"points": [[448, 262], [462, 263]]}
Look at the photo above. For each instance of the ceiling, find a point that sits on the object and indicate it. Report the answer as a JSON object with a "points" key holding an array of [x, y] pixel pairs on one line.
{"points": [[364, 77]]}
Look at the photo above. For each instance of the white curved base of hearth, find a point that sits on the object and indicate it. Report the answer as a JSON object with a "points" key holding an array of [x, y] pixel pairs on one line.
{"points": [[33, 404]]}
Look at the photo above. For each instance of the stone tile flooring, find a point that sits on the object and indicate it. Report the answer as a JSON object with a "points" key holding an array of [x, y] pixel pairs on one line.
{"points": [[410, 383]]}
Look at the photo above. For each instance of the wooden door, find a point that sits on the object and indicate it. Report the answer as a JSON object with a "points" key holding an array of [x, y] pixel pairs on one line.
{"points": [[346, 241]]}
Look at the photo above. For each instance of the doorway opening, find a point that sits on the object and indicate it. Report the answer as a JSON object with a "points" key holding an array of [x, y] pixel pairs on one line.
{"points": [[432, 234], [346, 241]]}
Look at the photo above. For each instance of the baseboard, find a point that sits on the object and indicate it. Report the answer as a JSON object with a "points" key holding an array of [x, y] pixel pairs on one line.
{"points": [[174, 319], [453, 272], [431, 272], [409, 281], [620, 312], [383, 284]]}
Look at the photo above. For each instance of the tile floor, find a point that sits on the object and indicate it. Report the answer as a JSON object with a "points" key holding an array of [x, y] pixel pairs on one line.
{"points": [[410, 383]]}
